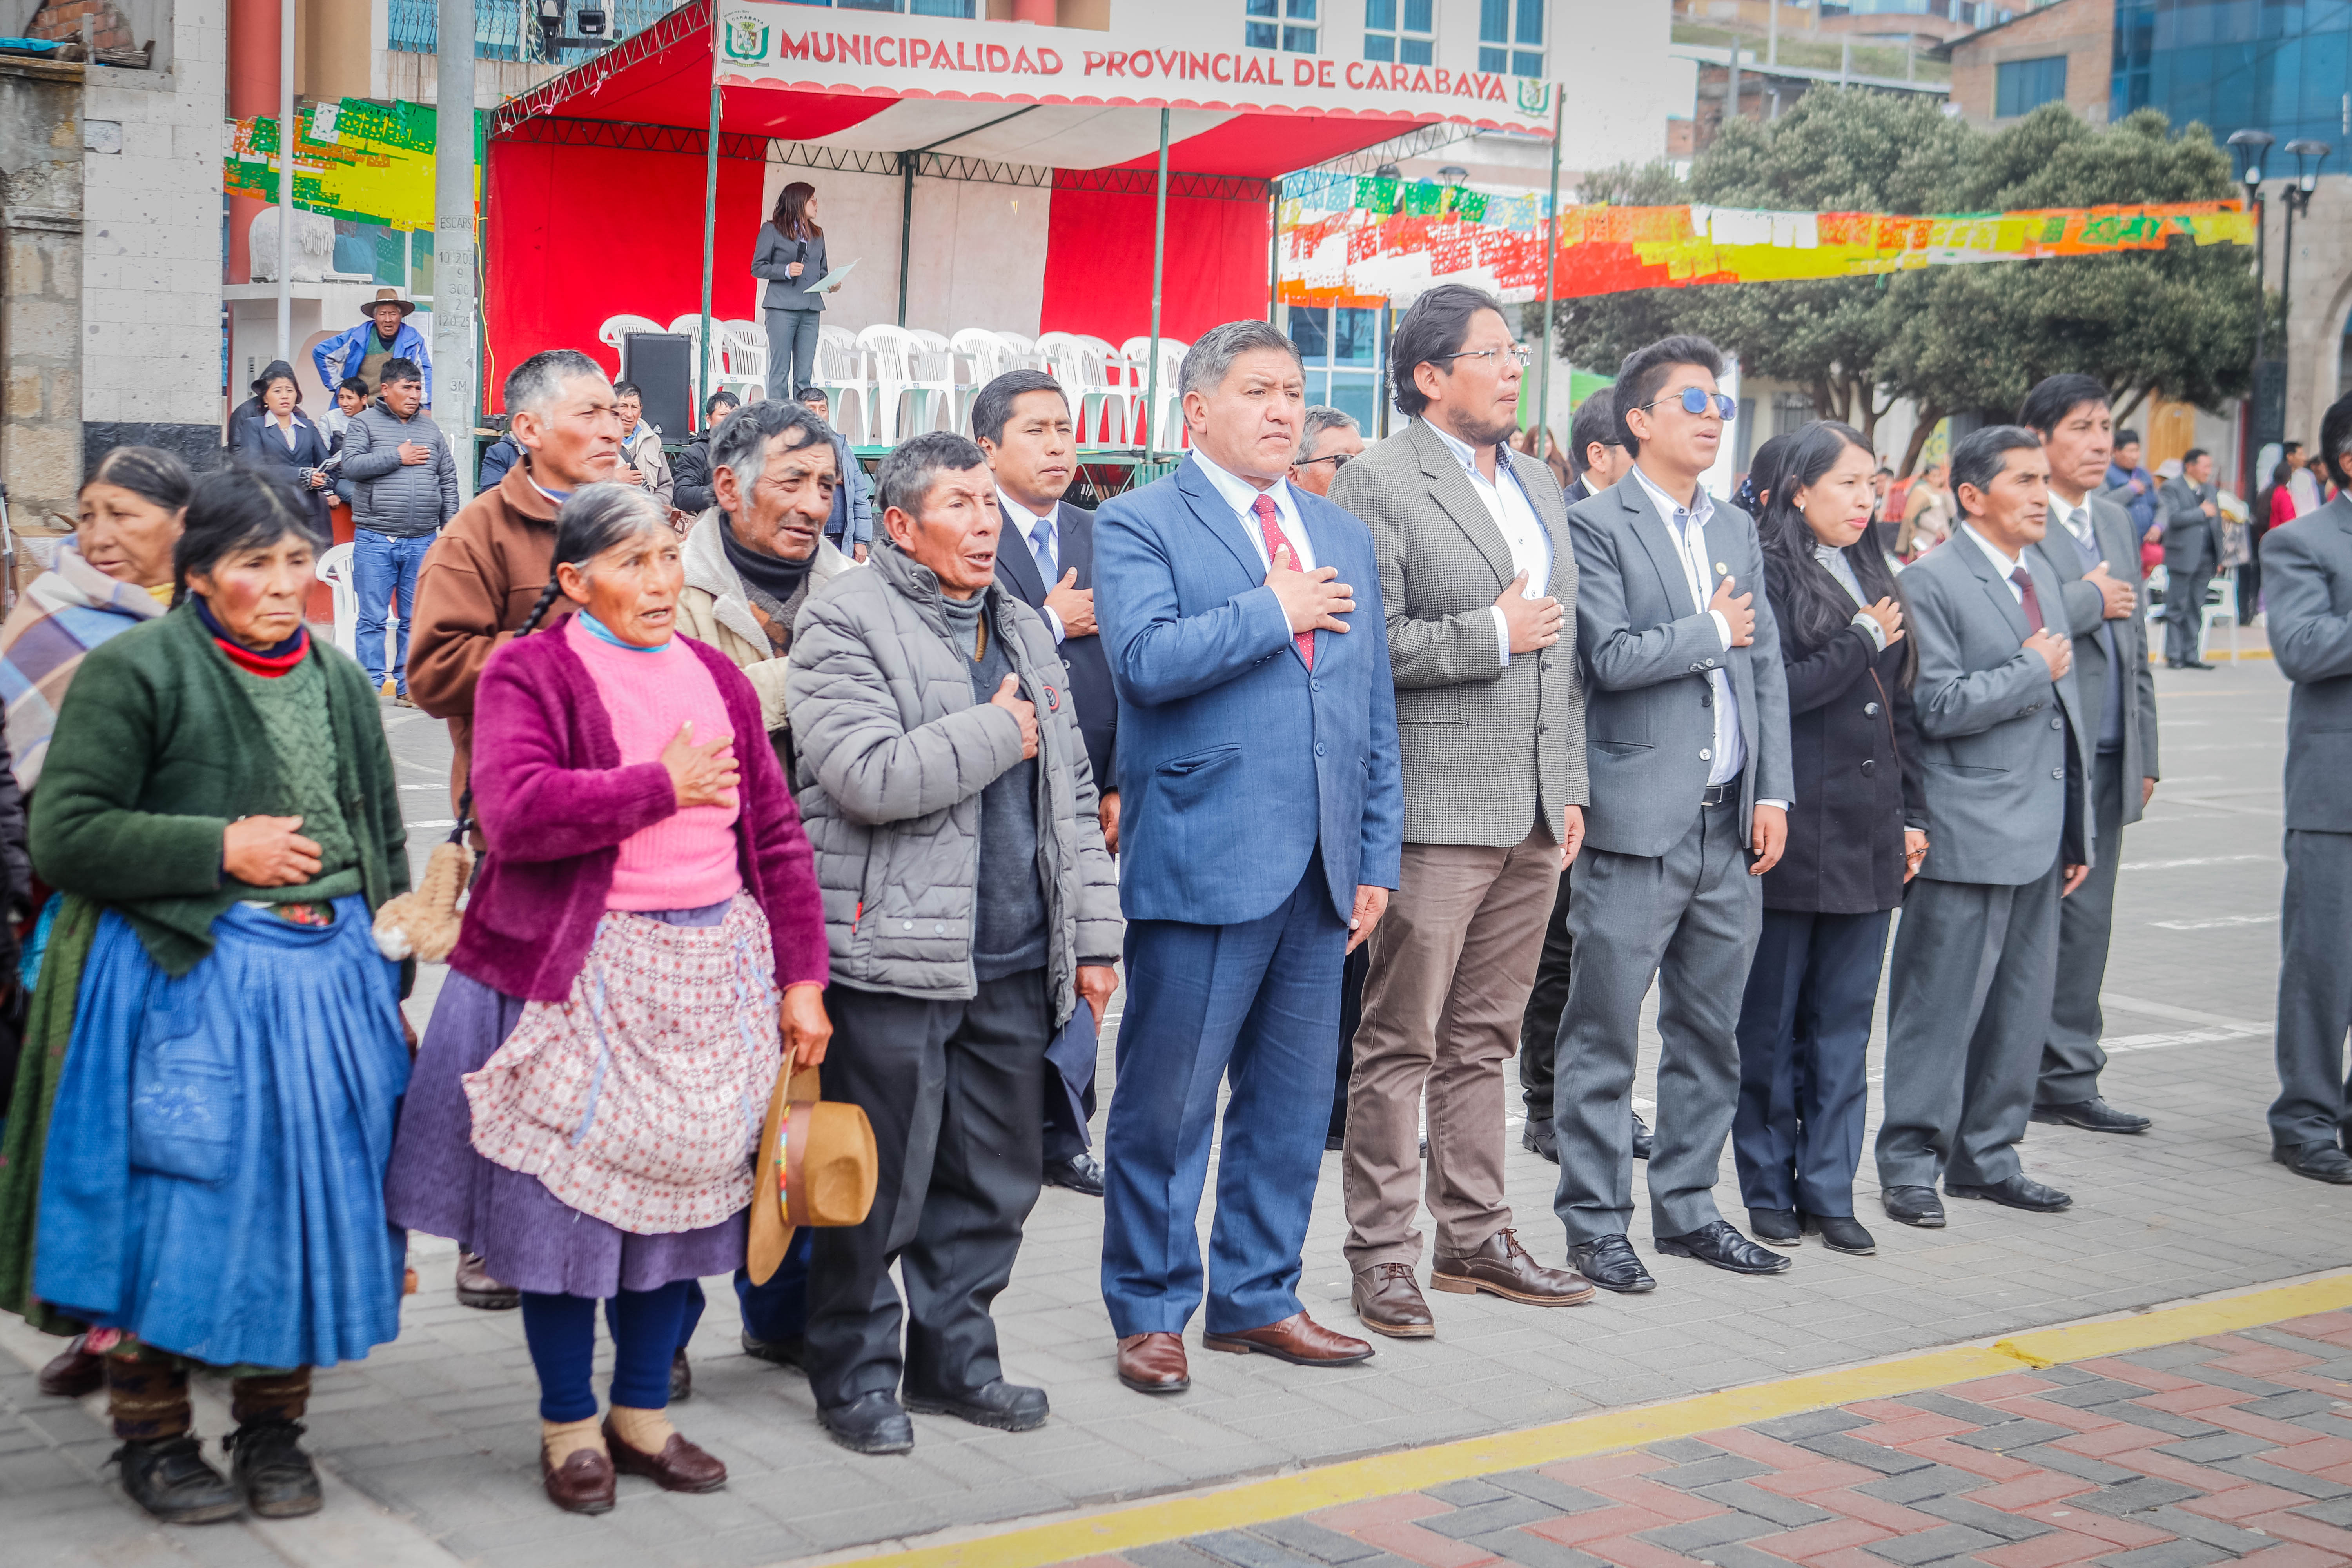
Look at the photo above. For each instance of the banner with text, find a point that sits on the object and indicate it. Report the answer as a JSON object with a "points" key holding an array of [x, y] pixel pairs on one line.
{"points": [[354, 159]]}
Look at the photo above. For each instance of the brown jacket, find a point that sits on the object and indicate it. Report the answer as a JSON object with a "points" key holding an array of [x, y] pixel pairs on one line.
{"points": [[479, 583]]}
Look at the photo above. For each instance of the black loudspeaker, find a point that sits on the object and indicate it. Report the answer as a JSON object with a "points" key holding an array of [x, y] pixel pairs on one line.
{"points": [[662, 365]]}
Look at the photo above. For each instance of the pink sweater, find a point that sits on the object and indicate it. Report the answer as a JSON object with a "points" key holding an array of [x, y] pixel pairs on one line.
{"points": [[688, 860]]}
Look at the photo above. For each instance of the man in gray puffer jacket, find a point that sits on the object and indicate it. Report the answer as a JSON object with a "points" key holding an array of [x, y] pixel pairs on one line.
{"points": [[972, 910], [403, 488]]}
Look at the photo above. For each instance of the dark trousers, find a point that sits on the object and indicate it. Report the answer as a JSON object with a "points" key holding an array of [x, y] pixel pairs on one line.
{"points": [[1539, 1025], [1804, 1036], [1352, 975], [2184, 611], [952, 1088], [1065, 1135], [2315, 993], [2071, 1059]]}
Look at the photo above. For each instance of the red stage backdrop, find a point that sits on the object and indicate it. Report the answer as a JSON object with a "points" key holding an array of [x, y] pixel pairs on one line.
{"points": [[1098, 263]]}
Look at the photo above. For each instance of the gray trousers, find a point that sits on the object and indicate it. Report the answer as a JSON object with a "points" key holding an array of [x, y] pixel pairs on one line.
{"points": [[2071, 1056], [1690, 917], [2315, 996], [2184, 612], [1969, 1010]]}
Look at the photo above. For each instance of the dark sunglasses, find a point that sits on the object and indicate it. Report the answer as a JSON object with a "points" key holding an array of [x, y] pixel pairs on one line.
{"points": [[1337, 459], [1695, 401]]}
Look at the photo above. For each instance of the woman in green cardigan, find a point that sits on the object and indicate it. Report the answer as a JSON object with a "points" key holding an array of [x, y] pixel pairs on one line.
{"points": [[219, 795]]}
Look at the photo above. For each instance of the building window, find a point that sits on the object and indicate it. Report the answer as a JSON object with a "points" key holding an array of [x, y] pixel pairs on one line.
{"points": [[2020, 87], [1510, 37], [1286, 24], [1401, 32]]}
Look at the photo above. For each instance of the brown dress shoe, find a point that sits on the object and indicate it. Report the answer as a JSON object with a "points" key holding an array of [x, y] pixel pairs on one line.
{"points": [[1154, 1364], [584, 1484], [74, 1371], [476, 1288], [1390, 1303], [680, 1467], [1503, 1267], [1299, 1338]]}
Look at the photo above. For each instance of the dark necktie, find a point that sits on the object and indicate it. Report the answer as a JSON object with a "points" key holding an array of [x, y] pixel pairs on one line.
{"points": [[2024, 581]]}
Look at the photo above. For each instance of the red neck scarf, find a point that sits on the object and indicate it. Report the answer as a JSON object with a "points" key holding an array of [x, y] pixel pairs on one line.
{"points": [[269, 666]]}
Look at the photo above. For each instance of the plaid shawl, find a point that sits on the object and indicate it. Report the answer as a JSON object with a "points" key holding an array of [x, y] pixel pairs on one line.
{"points": [[62, 614]]}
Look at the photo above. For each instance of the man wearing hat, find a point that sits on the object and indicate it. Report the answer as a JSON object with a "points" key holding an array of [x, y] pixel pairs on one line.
{"points": [[385, 335]]}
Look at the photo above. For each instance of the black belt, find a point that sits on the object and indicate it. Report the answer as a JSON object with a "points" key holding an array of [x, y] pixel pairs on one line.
{"points": [[1722, 793]]}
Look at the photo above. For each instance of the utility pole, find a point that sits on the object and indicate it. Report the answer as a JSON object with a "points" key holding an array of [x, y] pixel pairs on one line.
{"points": [[454, 398], [286, 183], [1551, 266], [1772, 32]]}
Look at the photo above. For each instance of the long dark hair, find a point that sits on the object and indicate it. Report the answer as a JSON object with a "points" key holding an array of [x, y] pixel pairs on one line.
{"points": [[595, 518], [240, 507], [1813, 605], [791, 216]]}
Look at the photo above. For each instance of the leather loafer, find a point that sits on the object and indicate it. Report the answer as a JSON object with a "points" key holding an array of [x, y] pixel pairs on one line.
{"points": [[681, 1378], [1781, 1227], [2018, 1192], [1721, 1244], [476, 1288], [1082, 1175], [1389, 1302], [1154, 1364], [1297, 1338], [584, 1485], [2092, 1115], [1914, 1206], [1610, 1262], [73, 1372], [1503, 1267], [782, 1352], [1842, 1232], [1641, 1137], [2320, 1162], [1538, 1139], [871, 1424], [1006, 1406], [680, 1467]]}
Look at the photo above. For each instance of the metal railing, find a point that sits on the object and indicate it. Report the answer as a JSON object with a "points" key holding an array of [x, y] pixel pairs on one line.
{"points": [[509, 30]]}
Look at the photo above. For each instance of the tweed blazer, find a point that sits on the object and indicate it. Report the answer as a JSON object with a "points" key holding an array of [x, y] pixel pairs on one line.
{"points": [[2308, 593], [1487, 747], [2111, 525]]}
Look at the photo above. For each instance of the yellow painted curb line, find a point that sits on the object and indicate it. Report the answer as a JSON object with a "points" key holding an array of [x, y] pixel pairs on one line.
{"points": [[1383, 1475]]}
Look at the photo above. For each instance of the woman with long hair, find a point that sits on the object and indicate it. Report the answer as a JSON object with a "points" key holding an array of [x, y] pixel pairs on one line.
{"points": [[1857, 835], [790, 256], [277, 433]]}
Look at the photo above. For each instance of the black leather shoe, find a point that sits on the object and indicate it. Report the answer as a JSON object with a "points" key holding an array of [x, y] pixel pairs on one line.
{"points": [[1914, 1206], [2320, 1162], [1725, 1248], [681, 1378], [169, 1479], [1610, 1262], [1642, 1139], [1538, 1139], [2197, 664], [1782, 1228], [1007, 1406], [871, 1424], [2092, 1115], [1842, 1232], [270, 1467], [783, 1353], [2018, 1192], [1082, 1174]]}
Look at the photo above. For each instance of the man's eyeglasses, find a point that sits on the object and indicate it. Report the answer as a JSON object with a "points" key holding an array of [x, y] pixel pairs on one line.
{"points": [[1694, 400], [1337, 459], [1518, 351]]}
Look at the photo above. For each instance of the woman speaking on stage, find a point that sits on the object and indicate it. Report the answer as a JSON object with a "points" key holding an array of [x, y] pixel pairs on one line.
{"points": [[791, 256]]}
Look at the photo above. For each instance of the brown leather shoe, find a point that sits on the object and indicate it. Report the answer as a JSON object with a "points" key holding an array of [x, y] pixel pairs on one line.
{"points": [[1391, 1303], [476, 1288], [1299, 1338], [1154, 1364], [584, 1484], [1503, 1267], [680, 1467], [74, 1371]]}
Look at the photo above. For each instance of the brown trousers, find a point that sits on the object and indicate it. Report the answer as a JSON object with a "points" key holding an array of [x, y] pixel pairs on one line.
{"points": [[1452, 963]]}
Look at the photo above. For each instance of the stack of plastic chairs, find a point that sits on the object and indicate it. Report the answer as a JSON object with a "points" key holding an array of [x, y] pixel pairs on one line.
{"points": [[906, 371], [847, 373], [1167, 424], [1094, 377]]}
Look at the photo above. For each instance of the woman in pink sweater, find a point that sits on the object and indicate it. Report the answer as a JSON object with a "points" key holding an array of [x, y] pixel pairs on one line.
{"points": [[644, 931]]}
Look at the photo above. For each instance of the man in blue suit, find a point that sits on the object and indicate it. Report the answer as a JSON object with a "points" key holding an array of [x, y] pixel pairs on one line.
{"points": [[1261, 831]]}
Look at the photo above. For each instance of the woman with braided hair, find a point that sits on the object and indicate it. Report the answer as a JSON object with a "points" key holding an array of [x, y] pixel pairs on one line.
{"points": [[645, 933]]}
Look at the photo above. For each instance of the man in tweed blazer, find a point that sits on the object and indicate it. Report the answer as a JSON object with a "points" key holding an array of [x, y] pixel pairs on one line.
{"points": [[1478, 580]]}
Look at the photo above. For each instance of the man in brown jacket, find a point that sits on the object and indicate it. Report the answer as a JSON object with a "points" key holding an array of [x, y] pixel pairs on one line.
{"points": [[492, 562]]}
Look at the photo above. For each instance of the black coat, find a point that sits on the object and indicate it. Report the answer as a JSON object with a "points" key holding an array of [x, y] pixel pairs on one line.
{"points": [[1089, 666], [257, 439], [1853, 747], [690, 489]]}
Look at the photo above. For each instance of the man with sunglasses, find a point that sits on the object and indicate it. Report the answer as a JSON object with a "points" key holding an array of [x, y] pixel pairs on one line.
{"points": [[1329, 439], [1479, 584], [1686, 729]]}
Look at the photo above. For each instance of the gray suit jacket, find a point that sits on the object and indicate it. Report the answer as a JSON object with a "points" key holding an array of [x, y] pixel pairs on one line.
{"points": [[2112, 526], [1647, 651], [1487, 747], [2191, 540], [1993, 726], [2308, 594]]}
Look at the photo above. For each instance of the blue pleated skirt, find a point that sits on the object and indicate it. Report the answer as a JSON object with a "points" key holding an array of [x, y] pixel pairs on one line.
{"points": [[214, 1180]]}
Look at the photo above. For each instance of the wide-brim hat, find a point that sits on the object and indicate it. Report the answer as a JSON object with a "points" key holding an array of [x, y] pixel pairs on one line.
{"points": [[387, 297], [817, 1165]]}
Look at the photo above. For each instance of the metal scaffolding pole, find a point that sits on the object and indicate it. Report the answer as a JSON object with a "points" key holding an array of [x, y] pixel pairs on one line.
{"points": [[1551, 265], [709, 237], [286, 181], [1159, 272], [452, 237]]}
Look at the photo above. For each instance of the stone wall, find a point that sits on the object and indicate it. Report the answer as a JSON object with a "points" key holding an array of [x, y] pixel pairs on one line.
{"points": [[40, 287]]}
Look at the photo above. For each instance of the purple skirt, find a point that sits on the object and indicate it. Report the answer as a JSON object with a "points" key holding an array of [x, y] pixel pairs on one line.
{"points": [[527, 1236]]}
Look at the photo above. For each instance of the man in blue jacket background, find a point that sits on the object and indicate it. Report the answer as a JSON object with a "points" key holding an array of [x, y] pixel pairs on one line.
{"points": [[385, 335]]}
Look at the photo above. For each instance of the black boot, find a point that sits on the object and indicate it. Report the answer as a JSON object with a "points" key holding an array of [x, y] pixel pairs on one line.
{"points": [[168, 1477], [275, 1474]]}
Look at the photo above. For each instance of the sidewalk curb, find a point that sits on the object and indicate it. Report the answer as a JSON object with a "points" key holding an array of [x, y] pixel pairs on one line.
{"points": [[1353, 1481]]}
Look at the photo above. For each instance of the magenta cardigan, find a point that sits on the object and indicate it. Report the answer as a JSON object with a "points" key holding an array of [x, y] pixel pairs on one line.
{"points": [[555, 804]]}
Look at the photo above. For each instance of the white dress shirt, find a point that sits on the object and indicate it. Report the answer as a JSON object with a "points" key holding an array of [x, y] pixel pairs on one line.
{"points": [[1020, 521], [2003, 563], [1514, 516], [1688, 531], [1241, 496], [1835, 562]]}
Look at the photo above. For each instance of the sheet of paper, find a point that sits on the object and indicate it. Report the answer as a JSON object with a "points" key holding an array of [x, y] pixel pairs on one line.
{"points": [[832, 281]]}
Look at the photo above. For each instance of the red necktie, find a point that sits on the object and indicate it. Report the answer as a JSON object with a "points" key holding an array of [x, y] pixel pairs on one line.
{"points": [[1275, 541], [2032, 605]]}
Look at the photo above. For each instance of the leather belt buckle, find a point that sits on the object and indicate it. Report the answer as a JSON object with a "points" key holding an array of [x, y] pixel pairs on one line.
{"points": [[1715, 795]]}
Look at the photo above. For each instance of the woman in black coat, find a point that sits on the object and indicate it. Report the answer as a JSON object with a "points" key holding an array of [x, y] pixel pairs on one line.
{"points": [[1855, 837], [274, 432]]}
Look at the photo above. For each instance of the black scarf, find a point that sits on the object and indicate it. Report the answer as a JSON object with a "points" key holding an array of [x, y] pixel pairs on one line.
{"points": [[773, 574]]}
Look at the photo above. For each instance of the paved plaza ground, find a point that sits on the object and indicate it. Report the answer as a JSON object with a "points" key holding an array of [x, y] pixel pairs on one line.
{"points": [[430, 1445]]}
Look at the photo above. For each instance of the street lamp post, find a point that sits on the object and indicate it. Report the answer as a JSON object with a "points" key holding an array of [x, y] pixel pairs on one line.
{"points": [[2308, 156], [2248, 147]]}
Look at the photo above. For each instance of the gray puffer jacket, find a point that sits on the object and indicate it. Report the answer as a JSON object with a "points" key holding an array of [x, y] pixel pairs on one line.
{"points": [[407, 500], [894, 753]]}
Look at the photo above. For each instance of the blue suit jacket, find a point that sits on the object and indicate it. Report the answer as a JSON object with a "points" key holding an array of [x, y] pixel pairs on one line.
{"points": [[1233, 761]]}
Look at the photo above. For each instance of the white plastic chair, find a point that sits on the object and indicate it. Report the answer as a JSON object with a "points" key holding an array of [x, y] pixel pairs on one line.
{"points": [[615, 328], [1023, 351], [2221, 604], [845, 371], [905, 370], [988, 356], [1097, 390], [744, 359], [1168, 417], [336, 572]]}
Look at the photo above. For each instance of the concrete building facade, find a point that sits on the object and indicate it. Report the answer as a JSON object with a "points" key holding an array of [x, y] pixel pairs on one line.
{"points": [[2061, 52]]}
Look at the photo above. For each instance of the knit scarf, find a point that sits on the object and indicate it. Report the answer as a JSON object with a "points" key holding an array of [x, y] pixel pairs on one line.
{"points": [[773, 574], [268, 663]]}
